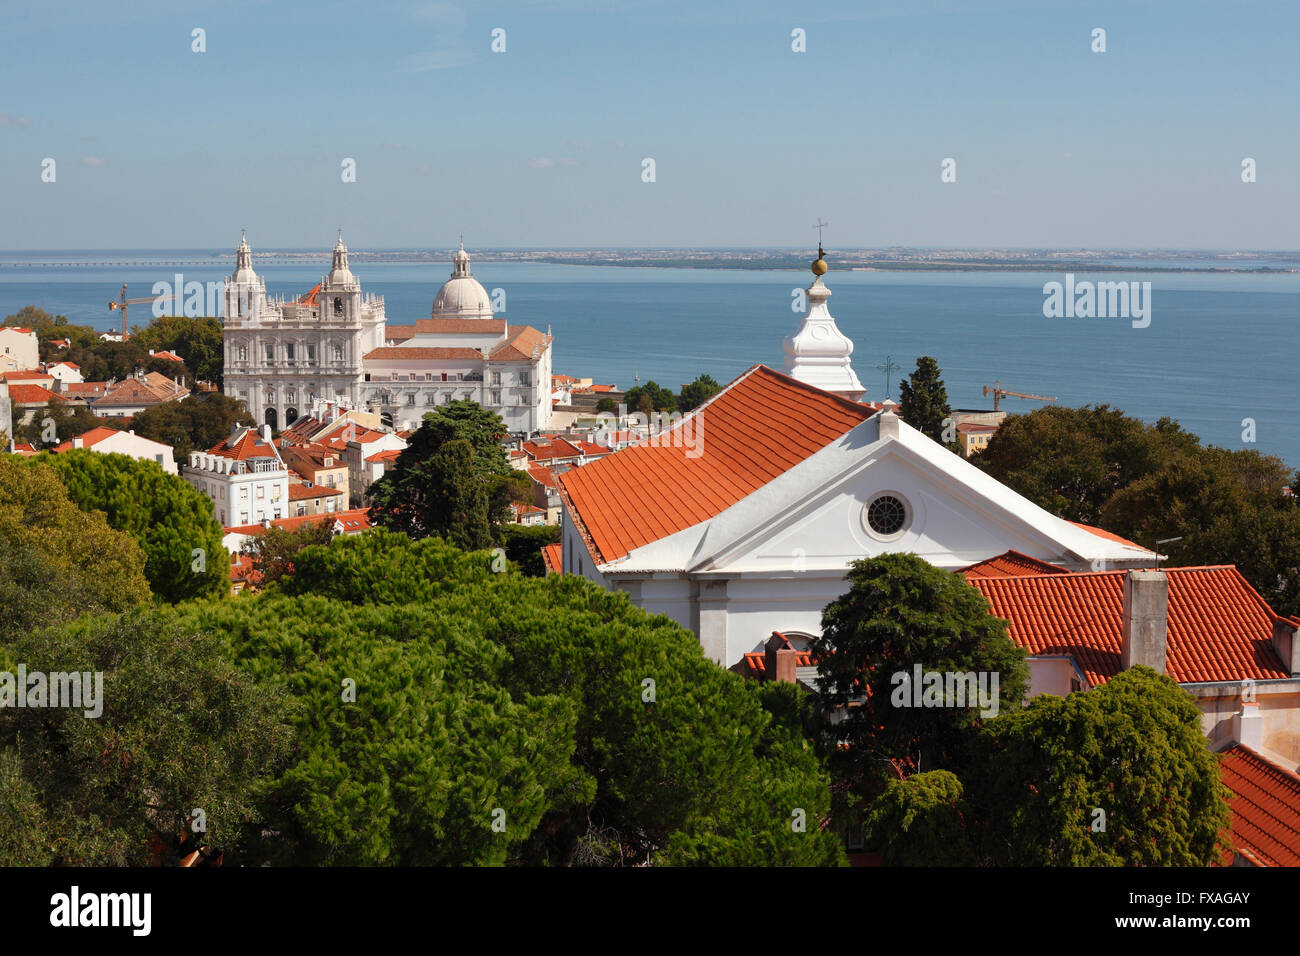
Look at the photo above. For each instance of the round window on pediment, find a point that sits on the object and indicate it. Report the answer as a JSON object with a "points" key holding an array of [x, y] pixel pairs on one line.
{"points": [[887, 516]]}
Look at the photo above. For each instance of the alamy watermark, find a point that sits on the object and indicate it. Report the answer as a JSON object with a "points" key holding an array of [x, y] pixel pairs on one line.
{"points": [[1101, 300], [74, 689], [922, 688]]}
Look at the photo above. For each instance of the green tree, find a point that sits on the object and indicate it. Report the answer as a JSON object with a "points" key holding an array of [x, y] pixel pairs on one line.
{"points": [[195, 423], [1132, 749], [172, 521], [197, 340], [56, 561], [651, 787], [68, 421], [273, 550], [606, 405], [900, 612], [524, 546], [697, 393], [924, 402], [178, 729], [453, 480], [921, 821], [660, 399]]}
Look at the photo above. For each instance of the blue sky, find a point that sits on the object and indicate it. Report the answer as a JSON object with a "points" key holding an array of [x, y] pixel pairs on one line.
{"points": [[160, 147]]}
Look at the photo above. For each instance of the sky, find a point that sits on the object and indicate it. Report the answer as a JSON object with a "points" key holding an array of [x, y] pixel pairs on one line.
{"points": [[156, 146]]}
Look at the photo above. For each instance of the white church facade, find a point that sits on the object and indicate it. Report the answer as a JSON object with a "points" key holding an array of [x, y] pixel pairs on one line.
{"points": [[750, 526], [334, 344]]}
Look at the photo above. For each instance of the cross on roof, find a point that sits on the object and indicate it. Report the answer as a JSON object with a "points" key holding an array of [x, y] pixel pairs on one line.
{"points": [[819, 226], [887, 368]]}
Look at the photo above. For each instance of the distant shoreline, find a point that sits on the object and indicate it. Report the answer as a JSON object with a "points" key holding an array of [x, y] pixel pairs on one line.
{"points": [[893, 260]]}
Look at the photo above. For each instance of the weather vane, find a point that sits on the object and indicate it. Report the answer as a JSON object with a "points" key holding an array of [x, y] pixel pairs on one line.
{"points": [[819, 226], [887, 368]]}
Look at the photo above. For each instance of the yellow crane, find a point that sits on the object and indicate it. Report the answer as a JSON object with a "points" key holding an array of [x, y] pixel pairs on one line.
{"points": [[1000, 393], [122, 303]]}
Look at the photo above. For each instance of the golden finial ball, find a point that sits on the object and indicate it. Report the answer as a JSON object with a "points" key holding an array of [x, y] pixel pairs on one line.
{"points": [[820, 268]]}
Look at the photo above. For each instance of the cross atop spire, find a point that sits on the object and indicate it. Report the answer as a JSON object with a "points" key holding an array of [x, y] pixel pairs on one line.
{"points": [[819, 226]]}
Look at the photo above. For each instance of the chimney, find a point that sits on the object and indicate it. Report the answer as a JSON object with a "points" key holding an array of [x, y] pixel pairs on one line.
{"points": [[1248, 726], [779, 659], [1287, 644], [1146, 620], [234, 429], [266, 432], [888, 422]]}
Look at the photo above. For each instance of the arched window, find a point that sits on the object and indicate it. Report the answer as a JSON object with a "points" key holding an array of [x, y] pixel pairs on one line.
{"points": [[290, 416], [338, 305], [272, 419]]}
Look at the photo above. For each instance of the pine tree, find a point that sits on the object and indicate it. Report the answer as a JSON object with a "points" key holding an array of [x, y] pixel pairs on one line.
{"points": [[925, 403]]}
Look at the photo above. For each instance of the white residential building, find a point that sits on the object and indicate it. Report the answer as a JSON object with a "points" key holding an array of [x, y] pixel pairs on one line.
{"points": [[109, 441], [19, 349], [65, 373], [243, 476]]}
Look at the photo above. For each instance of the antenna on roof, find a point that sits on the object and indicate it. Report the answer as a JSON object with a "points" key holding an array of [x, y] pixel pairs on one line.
{"points": [[1159, 543]]}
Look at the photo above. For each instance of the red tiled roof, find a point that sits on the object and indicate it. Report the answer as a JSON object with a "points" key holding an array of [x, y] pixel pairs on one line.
{"points": [[84, 389], [164, 354], [969, 427], [299, 492], [1010, 564], [754, 430], [89, 439], [413, 353], [30, 394], [1265, 802], [66, 365], [543, 476], [553, 557], [1220, 629], [15, 328], [27, 376], [756, 661], [353, 521], [461, 326], [522, 340], [398, 333], [249, 444], [389, 455], [1108, 535], [309, 297]]}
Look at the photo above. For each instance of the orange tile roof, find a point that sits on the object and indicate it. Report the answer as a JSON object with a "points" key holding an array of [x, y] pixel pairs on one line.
{"points": [[1220, 629], [757, 428], [358, 519], [1265, 802], [543, 476], [389, 455], [412, 353], [1108, 535], [398, 333], [519, 346], [461, 326], [309, 297], [299, 492], [756, 661], [163, 354], [553, 557], [15, 328], [89, 439], [249, 444], [30, 394], [82, 389], [1010, 564]]}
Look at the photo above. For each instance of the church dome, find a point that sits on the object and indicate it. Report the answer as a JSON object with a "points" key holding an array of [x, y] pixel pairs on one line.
{"points": [[462, 296], [244, 273]]}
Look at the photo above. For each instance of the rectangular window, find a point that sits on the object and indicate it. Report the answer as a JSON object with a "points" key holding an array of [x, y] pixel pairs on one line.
{"points": [[270, 355], [410, 398], [311, 355], [288, 352], [261, 492], [496, 398], [496, 378]]}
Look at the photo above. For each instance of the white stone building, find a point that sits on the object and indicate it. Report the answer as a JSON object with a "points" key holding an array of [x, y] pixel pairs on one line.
{"points": [[463, 351], [281, 356], [335, 345], [244, 477], [743, 518]]}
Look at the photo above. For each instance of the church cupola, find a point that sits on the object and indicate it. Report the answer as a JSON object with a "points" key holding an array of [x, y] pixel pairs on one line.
{"points": [[340, 275], [462, 296], [818, 353], [244, 262]]}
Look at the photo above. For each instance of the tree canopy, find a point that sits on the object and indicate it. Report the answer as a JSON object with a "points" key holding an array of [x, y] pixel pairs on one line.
{"points": [[172, 521], [697, 393], [453, 480], [1151, 482], [924, 402], [195, 423]]}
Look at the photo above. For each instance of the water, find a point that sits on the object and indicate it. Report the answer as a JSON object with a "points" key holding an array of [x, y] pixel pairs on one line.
{"points": [[1219, 349]]}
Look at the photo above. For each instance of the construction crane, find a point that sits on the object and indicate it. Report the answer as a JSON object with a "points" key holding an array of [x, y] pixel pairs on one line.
{"points": [[122, 303], [1000, 393]]}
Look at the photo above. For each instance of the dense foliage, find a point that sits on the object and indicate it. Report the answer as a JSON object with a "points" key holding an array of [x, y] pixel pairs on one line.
{"points": [[195, 423], [923, 403], [452, 481], [172, 521], [1151, 482]]}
